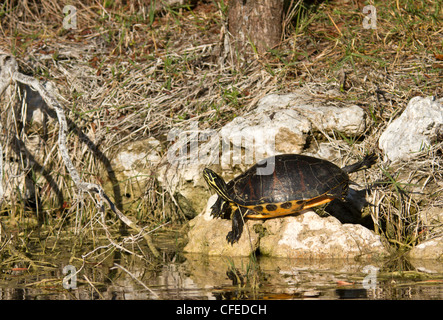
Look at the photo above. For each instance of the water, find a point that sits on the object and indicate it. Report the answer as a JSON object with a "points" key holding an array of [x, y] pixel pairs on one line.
{"points": [[123, 276]]}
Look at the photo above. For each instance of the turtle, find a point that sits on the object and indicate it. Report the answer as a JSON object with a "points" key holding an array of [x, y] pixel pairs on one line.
{"points": [[297, 182]]}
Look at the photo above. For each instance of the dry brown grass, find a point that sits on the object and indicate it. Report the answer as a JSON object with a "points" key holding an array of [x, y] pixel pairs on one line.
{"points": [[127, 74]]}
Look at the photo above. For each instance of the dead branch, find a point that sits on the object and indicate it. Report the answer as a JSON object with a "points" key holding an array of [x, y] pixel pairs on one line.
{"points": [[9, 73]]}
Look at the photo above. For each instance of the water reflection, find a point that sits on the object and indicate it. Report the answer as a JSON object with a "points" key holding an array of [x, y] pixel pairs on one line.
{"points": [[190, 276]]}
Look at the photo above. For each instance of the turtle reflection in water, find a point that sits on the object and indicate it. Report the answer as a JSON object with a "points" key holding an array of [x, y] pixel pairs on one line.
{"points": [[296, 182]]}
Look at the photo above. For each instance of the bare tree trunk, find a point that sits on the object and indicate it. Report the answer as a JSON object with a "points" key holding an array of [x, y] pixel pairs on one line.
{"points": [[254, 24]]}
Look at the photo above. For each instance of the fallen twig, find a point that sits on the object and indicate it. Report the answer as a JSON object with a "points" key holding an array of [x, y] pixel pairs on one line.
{"points": [[8, 73]]}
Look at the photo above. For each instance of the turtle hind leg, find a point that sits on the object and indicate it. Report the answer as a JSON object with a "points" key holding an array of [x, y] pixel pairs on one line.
{"points": [[237, 227], [364, 164]]}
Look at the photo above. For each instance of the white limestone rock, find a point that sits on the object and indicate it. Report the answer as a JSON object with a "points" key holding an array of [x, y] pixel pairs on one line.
{"points": [[414, 130]]}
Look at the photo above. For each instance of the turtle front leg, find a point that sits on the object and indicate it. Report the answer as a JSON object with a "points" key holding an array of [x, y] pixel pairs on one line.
{"points": [[218, 209], [237, 227]]}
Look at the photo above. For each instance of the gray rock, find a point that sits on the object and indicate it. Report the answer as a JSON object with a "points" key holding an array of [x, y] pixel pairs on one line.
{"points": [[430, 266], [414, 130], [208, 236], [287, 119], [431, 249], [323, 116], [132, 168], [304, 236], [308, 235], [280, 130], [134, 158], [432, 219]]}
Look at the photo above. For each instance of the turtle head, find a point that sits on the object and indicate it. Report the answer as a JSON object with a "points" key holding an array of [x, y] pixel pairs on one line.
{"points": [[217, 183]]}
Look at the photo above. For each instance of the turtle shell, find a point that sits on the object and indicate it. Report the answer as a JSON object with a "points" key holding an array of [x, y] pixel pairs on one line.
{"points": [[297, 182]]}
